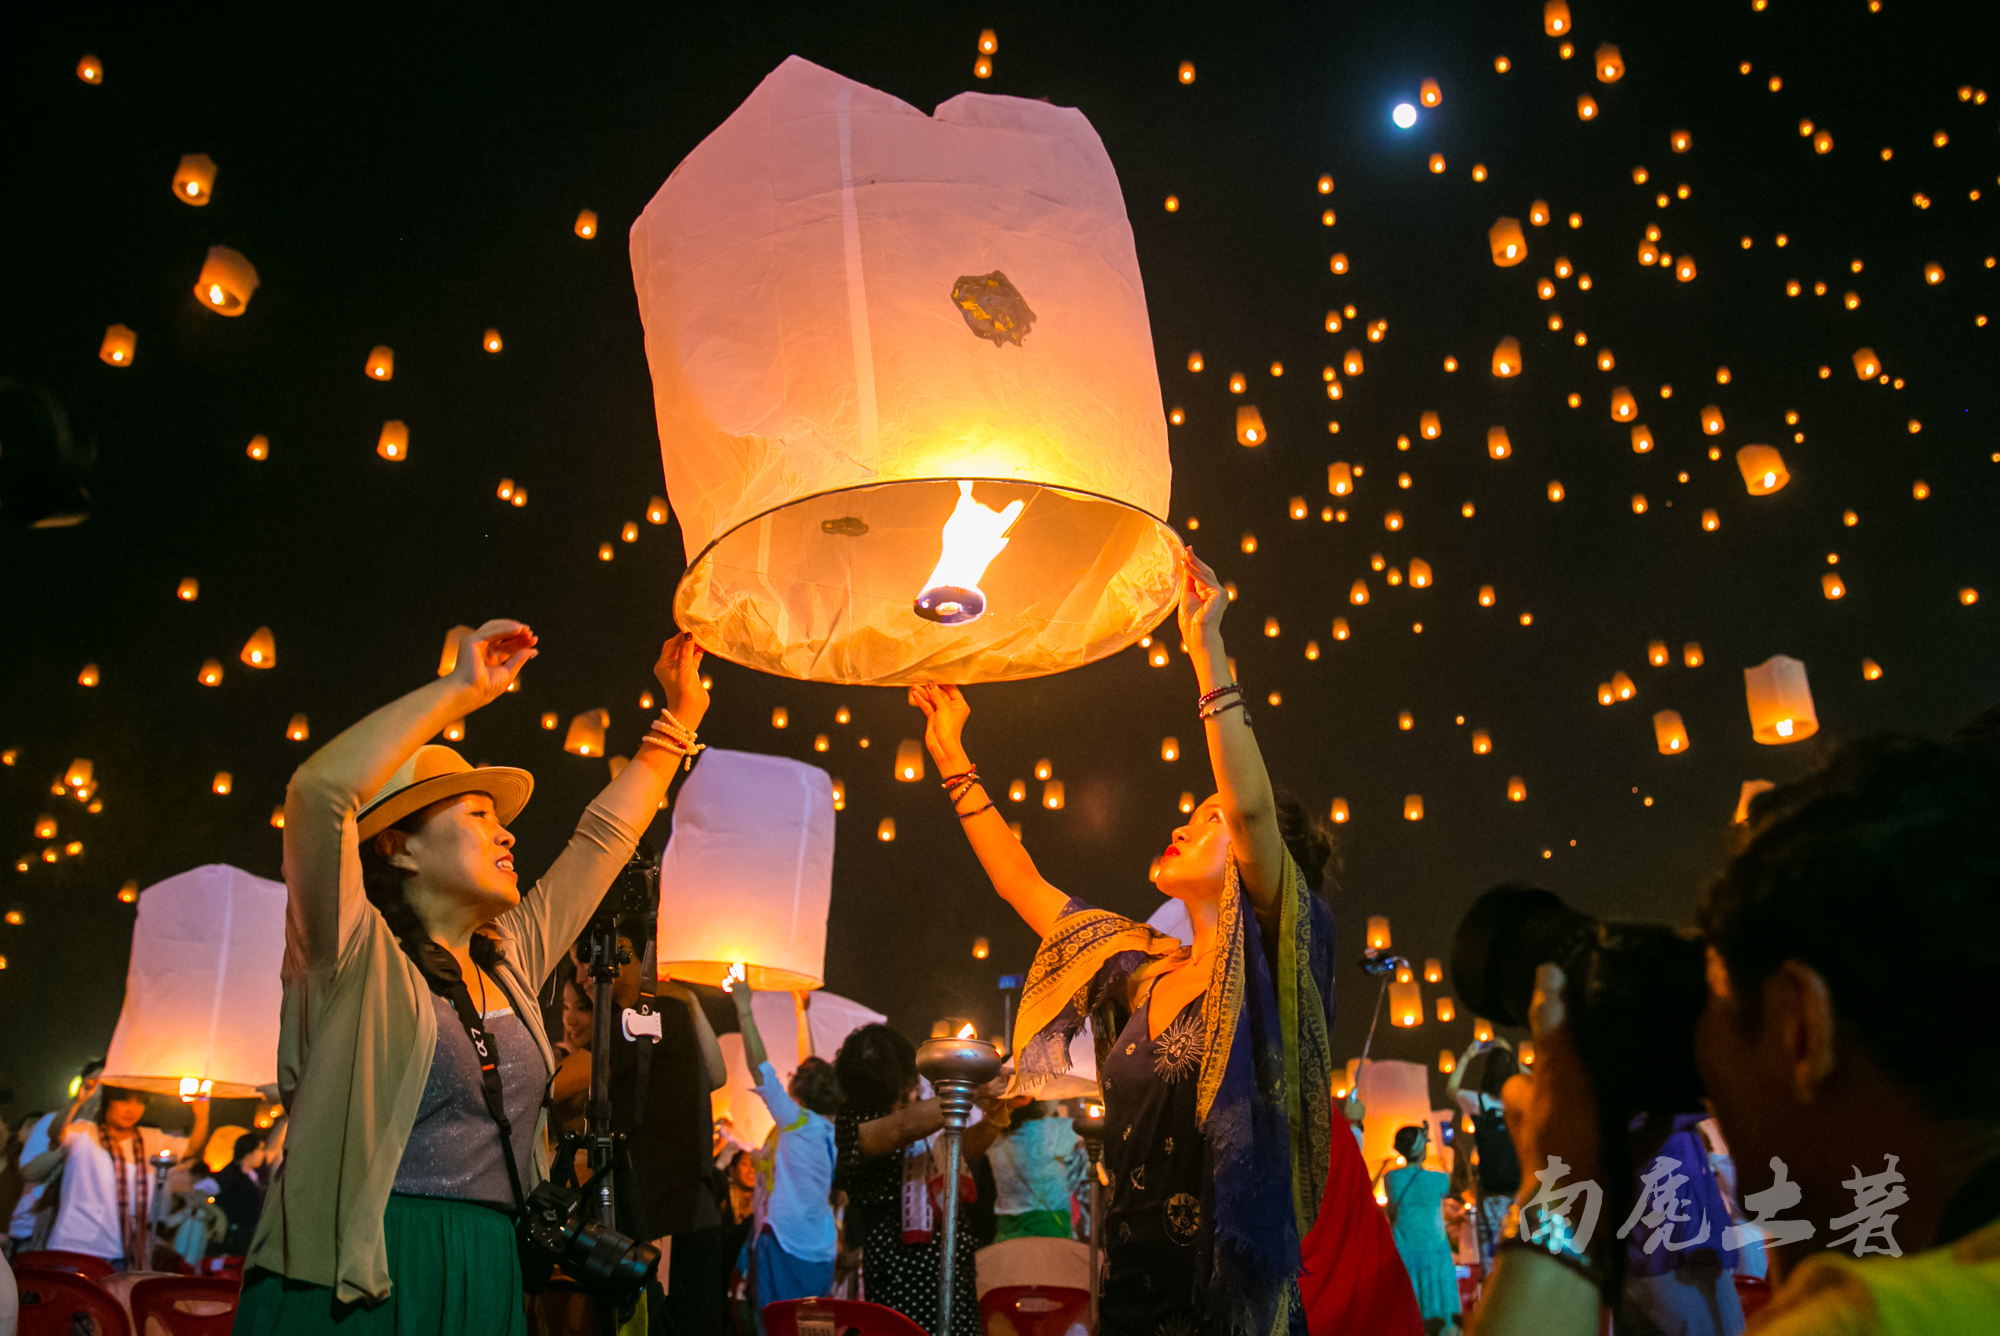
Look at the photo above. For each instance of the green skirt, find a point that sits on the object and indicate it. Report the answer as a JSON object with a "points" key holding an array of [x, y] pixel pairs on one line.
{"points": [[1032, 1224], [454, 1265]]}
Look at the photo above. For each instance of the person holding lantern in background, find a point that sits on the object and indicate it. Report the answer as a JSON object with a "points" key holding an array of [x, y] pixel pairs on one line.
{"points": [[105, 1207], [392, 1209], [1215, 1057]]}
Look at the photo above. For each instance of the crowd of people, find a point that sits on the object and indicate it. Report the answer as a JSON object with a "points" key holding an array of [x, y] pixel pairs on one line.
{"points": [[424, 1091]]}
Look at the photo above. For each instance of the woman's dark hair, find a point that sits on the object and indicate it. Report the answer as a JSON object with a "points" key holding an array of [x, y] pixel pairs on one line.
{"points": [[1888, 853], [1029, 1112], [107, 1095], [382, 882], [1407, 1137], [1311, 841], [1493, 1073], [816, 1086], [875, 1065], [245, 1144]]}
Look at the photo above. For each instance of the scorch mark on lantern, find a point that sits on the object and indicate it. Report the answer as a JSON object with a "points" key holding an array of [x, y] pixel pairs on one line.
{"points": [[972, 537], [993, 308]]}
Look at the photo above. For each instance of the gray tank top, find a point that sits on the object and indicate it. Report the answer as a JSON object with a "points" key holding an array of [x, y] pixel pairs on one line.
{"points": [[454, 1146]]}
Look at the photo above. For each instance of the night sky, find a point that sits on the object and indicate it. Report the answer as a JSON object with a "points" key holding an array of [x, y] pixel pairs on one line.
{"points": [[403, 180]]}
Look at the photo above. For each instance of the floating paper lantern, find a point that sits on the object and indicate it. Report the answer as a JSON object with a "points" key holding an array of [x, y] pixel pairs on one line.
{"points": [[886, 831], [1446, 1012], [202, 991], [1556, 491], [1656, 653], [298, 730], [1623, 406], [211, 673], [782, 718], [222, 783], [1507, 357], [1763, 469], [1871, 671], [119, 346], [748, 873], [1680, 141], [1356, 594], [982, 68], [1352, 364], [586, 733], [1622, 687], [1710, 520], [1339, 479], [89, 677], [1610, 65], [194, 179], [1052, 795], [1691, 654], [79, 775], [381, 363], [1508, 244], [260, 650], [1830, 585], [1429, 427], [1866, 365], [1170, 749], [1187, 72], [1413, 807], [90, 69], [1340, 631], [1338, 263], [1968, 596], [1339, 811], [1555, 17], [969, 311], [1586, 107], [259, 447], [988, 44], [1429, 93], [1538, 214], [909, 760], [1249, 425], [1482, 744], [586, 224], [1638, 503], [394, 442], [1406, 1003], [1670, 733], [1420, 573], [1482, 1030], [656, 510], [1497, 444], [1043, 768], [1711, 420], [1378, 933], [1447, 1060], [1517, 790], [1780, 701], [490, 341], [1406, 721], [1486, 596], [226, 281]]}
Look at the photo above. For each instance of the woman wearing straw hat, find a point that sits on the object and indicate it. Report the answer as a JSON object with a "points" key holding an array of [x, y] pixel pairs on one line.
{"points": [[392, 1211]]}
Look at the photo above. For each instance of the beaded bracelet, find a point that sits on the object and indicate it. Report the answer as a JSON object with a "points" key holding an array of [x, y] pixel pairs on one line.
{"points": [[967, 816], [1237, 704], [1217, 694]]}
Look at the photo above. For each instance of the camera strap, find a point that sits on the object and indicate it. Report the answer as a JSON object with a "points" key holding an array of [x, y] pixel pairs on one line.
{"points": [[648, 1006], [440, 970]]}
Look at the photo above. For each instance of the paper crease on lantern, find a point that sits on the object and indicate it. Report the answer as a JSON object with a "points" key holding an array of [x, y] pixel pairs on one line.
{"points": [[747, 875], [202, 993], [850, 307]]}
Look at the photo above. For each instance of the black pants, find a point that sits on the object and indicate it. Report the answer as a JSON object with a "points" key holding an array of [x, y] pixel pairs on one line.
{"points": [[697, 1278]]}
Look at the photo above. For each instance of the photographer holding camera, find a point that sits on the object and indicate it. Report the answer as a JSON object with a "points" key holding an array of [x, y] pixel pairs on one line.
{"points": [[1857, 1080], [412, 1060]]}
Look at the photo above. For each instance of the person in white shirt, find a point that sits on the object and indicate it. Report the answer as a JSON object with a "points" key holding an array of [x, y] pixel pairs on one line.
{"points": [[39, 1141], [794, 1238], [107, 1168]]}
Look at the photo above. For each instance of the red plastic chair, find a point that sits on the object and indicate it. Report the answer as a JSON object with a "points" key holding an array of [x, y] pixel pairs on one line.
{"points": [[52, 1301], [78, 1264], [1032, 1310], [851, 1317], [186, 1305], [1753, 1292]]}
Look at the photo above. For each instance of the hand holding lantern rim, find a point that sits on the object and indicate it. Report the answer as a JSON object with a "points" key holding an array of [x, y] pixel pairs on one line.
{"points": [[490, 659], [678, 671], [1203, 602]]}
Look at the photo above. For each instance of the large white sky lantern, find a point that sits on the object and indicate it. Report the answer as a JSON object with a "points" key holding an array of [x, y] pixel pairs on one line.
{"points": [[748, 873], [202, 994], [875, 333]]}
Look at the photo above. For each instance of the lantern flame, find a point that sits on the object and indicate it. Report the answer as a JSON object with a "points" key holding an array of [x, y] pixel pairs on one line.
{"points": [[966, 1031], [973, 536]]}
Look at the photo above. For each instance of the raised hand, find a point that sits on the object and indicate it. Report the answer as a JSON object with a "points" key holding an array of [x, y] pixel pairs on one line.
{"points": [[679, 675], [1202, 604], [491, 658], [945, 712]]}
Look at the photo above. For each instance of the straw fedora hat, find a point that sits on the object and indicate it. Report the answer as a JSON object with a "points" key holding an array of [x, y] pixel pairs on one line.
{"points": [[436, 773]]}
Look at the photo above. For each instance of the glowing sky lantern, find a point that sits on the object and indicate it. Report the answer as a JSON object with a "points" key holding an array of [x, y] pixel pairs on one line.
{"points": [[1507, 242], [260, 650], [1378, 933], [202, 989], [1507, 357], [226, 281], [1623, 406], [1406, 1003], [1610, 65], [1763, 469], [1670, 733], [381, 363], [586, 733], [1249, 426], [748, 872], [1866, 364], [1780, 701], [853, 310], [194, 179], [119, 346], [1497, 444]]}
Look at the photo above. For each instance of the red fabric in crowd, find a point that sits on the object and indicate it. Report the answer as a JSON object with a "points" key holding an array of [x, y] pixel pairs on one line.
{"points": [[1352, 1278]]}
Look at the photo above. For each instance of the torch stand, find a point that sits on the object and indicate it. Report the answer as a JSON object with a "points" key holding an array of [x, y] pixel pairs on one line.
{"points": [[955, 1068], [1091, 1128]]}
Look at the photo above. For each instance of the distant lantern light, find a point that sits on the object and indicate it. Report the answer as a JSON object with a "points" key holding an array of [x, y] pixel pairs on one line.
{"points": [[1691, 654], [1642, 439], [1711, 420], [1831, 585], [1610, 65], [630, 533], [1326, 185], [1517, 790], [1623, 406], [1352, 364], [1357, 595], [211, 673], [1866, 365], [656, 510], [1338, 263], [1497, 444], [1933, 273], [381, 363], [1538, 214], [1429, 427], [1482, 745], [1871, 671], [1586, 107], [1486, 596], [226, 281], [1405, 115], [982, 68], [586, 224], [1430, 94], [1968, 596], [1680, 141], [1446, 1012], [1780, 701], [1170, 749], [120, 345], [1622, 686], [1638, 503], [1194, 362], [1507, 357], [222, 783], [586, 733], [1340, 627], [1187, 72], [1684, 269], [1339, 812], [1763, 469], [260, 650], [188, 590], [1249, 425], [909, 760], [1378, 933], [1670, 733], [1507, 242], [394, 442], [1413, 807], [1406, 1003], [90, 69], [1052, 795], [259, 447], [1656, 653], [886, 831], [194, 179], [1556, 492], [298, 730], [1555, 17]]}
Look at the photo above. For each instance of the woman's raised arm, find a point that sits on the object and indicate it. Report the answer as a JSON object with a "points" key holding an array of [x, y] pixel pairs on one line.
{"points": [[1007, 864], [1248, 808]]}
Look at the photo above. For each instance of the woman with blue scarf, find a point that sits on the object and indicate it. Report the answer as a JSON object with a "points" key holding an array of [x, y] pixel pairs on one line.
{"points": [[1213, 1057]]}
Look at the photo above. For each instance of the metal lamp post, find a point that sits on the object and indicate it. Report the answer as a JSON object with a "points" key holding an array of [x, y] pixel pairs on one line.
{"points": [[955, 1067], [1090, 1126]]}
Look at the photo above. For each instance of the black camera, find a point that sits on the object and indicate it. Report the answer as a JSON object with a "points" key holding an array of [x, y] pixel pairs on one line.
{"points": [[1633, 994], [555, 1231]]}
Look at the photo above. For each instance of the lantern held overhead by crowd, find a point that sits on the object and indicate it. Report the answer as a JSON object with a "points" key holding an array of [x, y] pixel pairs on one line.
{"points": [[747, 875], [863, 322], [1780, 701]]}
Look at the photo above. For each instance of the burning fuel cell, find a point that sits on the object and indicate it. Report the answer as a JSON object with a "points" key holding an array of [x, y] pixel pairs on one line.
{"points": [[904, 377]]}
